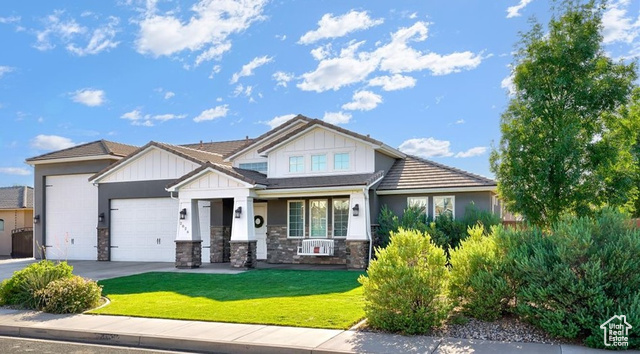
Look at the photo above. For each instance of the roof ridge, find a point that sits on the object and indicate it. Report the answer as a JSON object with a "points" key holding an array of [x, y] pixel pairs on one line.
{"points": [[453, 169], [192, 149], [116, 142], [216, 142]]}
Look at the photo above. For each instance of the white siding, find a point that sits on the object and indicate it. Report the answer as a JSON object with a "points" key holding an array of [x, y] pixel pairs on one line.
{"points": [[154, 164], [253, 155], [322, 141], [212, 180]]}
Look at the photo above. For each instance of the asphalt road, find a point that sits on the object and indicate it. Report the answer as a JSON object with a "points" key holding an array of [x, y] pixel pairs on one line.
{"points": [[10, 345]]}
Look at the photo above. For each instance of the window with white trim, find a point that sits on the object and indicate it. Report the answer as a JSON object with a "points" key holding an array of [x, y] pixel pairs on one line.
{"points": [[341, 161], [296, 164], [318, 217], [255, 166], [295, 217], [340, 217], [318, 162], [420, 203], [444, 205]]}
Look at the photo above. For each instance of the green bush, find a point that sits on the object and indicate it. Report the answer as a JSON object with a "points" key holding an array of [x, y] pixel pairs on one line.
{"points": [[477, 282], [22, 287], [405, 286], [70, 295], [579, 275]]}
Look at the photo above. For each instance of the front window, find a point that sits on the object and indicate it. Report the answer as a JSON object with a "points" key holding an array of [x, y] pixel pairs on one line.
{"points": [[296, 164], [1, 225], [418, 202], [341, 161], [340, 217], [255, 166], [296, 218], [318, 215], [318, 162], [444, 205]]}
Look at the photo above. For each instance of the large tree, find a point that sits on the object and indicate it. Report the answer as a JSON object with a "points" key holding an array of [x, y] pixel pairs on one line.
{"points": [[564, 147]]}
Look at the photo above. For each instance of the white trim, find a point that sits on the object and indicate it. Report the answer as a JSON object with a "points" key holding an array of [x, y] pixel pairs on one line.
{"points": [[258, 142], [204, 172], [437, 190], [334, 169], [333, 217], [388, 150], [295, 155], [266, 152], [304, 192], [76, 159], [326, 218], [325, 162], [288, 218], [453, 207], [426, 205]]}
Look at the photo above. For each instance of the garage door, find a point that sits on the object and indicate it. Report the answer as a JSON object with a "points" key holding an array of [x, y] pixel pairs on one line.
{"points": [[144, 229], [71, 206]]}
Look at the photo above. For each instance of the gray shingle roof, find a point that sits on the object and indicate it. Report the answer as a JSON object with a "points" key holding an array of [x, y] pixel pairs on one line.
{"points": [[16, 197], [221, 147], [417, 173], [94, 148]]}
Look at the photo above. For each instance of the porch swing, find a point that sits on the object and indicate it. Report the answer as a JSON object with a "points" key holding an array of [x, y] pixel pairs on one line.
{"points": [[316, 248]]}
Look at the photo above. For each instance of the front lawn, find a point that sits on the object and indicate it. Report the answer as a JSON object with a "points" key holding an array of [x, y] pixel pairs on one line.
{"points": [[320, 299]]}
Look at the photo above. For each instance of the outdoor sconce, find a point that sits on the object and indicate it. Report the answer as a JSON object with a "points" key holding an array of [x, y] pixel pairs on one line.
{"points": [[36, 219], [238, 212], [101, 217], [356, 210], [183, 213]]}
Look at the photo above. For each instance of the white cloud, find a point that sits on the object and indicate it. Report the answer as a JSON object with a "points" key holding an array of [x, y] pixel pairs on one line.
{"points": [[392, 83], [168, 95], [67, 30], [102, 38], [363, 101], [282, 78], [617, 25], [206, 32], [281, 37], [133, 115], [247, 69], [89, 97], [460, 121], [321, 52], [215, 70], [168, 116], [507, 83], [474, 151], [137, 118], [18, 171], [336, 117], [5, 69], [427, 147], [213, 113], [514, 11], [276, 121], [9, 19], [51, 142], [331, 26]]}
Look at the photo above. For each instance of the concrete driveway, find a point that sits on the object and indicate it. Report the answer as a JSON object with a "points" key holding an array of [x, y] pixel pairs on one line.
{"points": [[104, 270]]}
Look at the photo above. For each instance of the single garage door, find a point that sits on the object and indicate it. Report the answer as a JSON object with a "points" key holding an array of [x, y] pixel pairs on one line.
{"points": [[144, 229], [71, 207]]}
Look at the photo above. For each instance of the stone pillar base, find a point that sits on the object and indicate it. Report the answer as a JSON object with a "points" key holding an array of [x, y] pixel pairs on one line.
{"points": [[188, 253], [103, 244], [357, 254], [243, 254], [217, 244]]}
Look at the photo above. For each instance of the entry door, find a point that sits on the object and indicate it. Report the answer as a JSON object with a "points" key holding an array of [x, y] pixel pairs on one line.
{"points": [[204, 208], [260, 212]]}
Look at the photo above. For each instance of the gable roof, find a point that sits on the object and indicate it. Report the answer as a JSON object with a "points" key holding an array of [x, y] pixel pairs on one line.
{"points": [[414, 173], [17, 197], [94, 148]]}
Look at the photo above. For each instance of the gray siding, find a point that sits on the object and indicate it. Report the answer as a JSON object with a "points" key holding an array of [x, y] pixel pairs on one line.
{"points": [[383, 162], [397, 203], [56, 169]]}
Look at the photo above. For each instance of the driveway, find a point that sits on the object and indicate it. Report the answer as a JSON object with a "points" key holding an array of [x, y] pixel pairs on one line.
{"points": [[104, 270]]}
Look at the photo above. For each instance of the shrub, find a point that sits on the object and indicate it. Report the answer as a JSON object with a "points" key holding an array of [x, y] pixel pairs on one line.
{"points": [[22, 287], [477, 282], [405, 286], [582, 273], [70, 295]]}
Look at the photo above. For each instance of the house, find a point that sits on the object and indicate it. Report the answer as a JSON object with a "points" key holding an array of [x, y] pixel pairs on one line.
{"points": [[616, 331], [16, 219], [304, 192]]}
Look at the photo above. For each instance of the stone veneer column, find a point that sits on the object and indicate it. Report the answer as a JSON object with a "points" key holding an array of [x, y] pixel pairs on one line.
{"points": [[243, 254], [188, 253], [103, 243], [217, 244], [357, 254]]}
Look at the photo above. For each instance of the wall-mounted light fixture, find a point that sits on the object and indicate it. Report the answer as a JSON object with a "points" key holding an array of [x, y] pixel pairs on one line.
{"points": [[356, 210], [238, 212], [101, 217], [183, 213], [36, 219]]}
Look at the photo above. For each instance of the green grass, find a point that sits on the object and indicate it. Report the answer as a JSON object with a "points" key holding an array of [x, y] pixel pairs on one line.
{"points": [[319, 299]]}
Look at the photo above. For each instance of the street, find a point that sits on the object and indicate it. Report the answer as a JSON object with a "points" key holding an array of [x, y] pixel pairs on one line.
{"points": [[22, 345]]}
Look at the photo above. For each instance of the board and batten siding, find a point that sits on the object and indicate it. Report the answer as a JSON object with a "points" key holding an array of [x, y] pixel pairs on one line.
{"points": [[253, 155], [212, 180], [322, 141], [154, 164]]}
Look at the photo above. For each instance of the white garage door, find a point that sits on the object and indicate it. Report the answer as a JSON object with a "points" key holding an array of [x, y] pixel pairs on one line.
{"points": [[205, 229], [144, 229], [71, 206]]}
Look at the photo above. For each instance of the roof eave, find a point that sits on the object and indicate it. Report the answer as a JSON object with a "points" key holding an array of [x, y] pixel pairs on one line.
{"points": [[436, 190], [73, 159]]}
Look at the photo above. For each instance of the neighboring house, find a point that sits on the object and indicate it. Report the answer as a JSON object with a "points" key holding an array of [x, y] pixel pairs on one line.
{"points": [[16, 215], [304, 192]]}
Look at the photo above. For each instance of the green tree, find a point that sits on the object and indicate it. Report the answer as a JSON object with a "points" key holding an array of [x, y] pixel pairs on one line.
{"points": [[561, 149]]}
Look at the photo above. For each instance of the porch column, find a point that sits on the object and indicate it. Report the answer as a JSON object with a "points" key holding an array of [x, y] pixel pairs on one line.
{"points": [[243, 235], [188, 241], [357, 242]]}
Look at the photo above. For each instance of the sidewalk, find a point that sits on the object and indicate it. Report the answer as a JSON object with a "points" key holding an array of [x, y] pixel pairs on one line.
{"points": [[214, 337]]}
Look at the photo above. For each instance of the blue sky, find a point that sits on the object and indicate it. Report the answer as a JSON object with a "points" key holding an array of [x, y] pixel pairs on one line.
{"points": [[429, 77]]}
